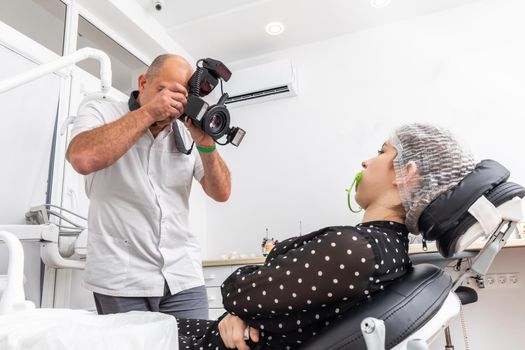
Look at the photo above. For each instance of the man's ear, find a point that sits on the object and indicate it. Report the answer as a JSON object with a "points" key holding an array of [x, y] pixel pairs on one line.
{"points": [[141, 82]]}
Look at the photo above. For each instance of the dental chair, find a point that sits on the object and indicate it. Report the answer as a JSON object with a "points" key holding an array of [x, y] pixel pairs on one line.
{"points": [[410, 313]]}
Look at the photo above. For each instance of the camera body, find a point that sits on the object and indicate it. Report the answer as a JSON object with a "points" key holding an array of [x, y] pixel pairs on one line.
{"points": [[213, 120]]}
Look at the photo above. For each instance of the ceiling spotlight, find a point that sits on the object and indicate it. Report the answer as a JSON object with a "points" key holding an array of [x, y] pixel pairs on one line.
{"points": [[379, 3], [274, 28]]}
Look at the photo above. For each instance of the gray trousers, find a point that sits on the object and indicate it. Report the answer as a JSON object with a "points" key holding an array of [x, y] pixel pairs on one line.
{"points": [[189, 304]]}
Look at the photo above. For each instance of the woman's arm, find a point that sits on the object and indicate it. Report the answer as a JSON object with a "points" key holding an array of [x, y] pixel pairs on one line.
{"points": [[321, 268]]}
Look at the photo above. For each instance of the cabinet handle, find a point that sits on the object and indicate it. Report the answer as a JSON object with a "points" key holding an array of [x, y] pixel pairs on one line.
{"points": [[210, 277]]}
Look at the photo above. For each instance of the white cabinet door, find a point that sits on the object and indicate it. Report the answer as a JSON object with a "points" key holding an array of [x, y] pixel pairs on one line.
{"points": [[216, 313], [215, 275], [214, 297]]}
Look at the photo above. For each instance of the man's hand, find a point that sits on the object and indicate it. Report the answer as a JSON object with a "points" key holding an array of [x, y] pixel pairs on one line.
{"points": [[168, 104], [200, 137], [231, 329]]}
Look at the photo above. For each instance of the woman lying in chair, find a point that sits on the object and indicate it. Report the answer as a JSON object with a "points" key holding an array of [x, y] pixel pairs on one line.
{"points": [[307, 282]]}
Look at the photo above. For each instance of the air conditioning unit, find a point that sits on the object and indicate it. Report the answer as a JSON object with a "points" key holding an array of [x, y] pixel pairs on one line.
{"points": [[261, 83]]}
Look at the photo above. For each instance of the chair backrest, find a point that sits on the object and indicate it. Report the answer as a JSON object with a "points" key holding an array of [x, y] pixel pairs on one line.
{"points": [[406, 305]]}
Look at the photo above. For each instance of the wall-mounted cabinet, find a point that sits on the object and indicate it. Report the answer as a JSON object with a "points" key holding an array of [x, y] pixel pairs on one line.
{"points": [[124, 64], [43, 21]]}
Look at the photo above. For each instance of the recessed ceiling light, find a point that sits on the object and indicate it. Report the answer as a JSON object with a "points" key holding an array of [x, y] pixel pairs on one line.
{"points": [[379, 3], [274, 28]]}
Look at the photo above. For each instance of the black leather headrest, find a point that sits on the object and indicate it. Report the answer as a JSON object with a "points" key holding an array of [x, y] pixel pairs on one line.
{"points": [[500, 194], [446, 210], [447, 217]]}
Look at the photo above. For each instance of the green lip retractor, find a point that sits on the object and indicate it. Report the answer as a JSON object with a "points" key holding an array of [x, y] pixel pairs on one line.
{"points": [[356, 181]]}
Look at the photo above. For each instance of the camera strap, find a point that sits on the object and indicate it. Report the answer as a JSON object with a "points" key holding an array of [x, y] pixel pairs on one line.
{"points": [[179, 143], [133, 104]]}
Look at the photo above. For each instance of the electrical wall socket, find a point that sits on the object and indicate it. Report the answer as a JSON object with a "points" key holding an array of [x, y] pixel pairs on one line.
{"points": [[503, 280]]}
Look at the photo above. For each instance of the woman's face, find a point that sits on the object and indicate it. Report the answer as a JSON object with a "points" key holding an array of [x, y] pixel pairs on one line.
{"points": [[379, 179]]}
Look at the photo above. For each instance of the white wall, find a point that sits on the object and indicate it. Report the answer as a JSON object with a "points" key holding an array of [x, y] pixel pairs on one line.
{"points": [[26, 134], [461, 68]]}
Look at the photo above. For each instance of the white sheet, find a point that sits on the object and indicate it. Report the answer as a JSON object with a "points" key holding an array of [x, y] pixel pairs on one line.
{"points": [[57, 329]]}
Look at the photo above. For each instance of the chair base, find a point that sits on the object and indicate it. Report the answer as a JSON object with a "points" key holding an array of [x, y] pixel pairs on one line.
{"points": [[449, 311], [374, 329]]}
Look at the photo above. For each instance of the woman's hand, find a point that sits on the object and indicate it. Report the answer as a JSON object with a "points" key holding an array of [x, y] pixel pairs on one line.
{"points": [[232, 328]]}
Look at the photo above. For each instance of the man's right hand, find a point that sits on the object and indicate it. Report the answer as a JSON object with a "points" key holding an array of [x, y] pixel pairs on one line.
{"points": [[168, 104]]}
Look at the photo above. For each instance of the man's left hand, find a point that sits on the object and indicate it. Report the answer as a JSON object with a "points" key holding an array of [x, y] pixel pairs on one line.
{"points": [[200, 138]]}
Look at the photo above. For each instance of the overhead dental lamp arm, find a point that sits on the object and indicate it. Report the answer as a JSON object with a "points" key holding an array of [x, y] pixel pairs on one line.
{"points": [[62, 62]]}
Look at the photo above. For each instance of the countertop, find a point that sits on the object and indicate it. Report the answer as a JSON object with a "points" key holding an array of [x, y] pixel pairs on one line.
{"points": [[413, 249]]}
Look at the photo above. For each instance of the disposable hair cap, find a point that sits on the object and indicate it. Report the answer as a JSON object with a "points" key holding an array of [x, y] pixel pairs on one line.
{"points": [[442, 162]]}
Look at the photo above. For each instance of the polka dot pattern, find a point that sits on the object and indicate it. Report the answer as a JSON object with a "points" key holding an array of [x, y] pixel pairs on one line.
{"points": [[306, 283]]}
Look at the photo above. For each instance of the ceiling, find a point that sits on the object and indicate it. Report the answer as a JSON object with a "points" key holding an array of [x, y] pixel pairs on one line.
{"points": [[232, 30]]}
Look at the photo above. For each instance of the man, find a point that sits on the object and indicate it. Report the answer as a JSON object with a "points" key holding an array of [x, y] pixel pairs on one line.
{"points": [[141, 254]]}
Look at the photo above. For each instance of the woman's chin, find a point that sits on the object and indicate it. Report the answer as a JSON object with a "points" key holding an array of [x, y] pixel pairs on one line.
{"points": [[358, 199], [360, 203]]}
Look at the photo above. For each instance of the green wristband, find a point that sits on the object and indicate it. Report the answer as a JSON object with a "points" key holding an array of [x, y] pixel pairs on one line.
{"points": [[207, 150]]}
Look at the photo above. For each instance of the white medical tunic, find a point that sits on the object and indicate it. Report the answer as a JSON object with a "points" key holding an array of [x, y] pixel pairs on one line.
{"points": [[138, 215]]}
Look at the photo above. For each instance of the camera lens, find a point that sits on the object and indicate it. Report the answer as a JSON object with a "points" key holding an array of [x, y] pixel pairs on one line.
{"points": [[216, 123]]}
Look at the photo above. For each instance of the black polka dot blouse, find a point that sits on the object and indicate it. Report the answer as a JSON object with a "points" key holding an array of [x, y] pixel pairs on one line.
{"points": [[306, 283]]}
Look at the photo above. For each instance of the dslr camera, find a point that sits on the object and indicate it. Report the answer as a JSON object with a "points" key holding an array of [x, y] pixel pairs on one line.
{"points": [[213, 120]]}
